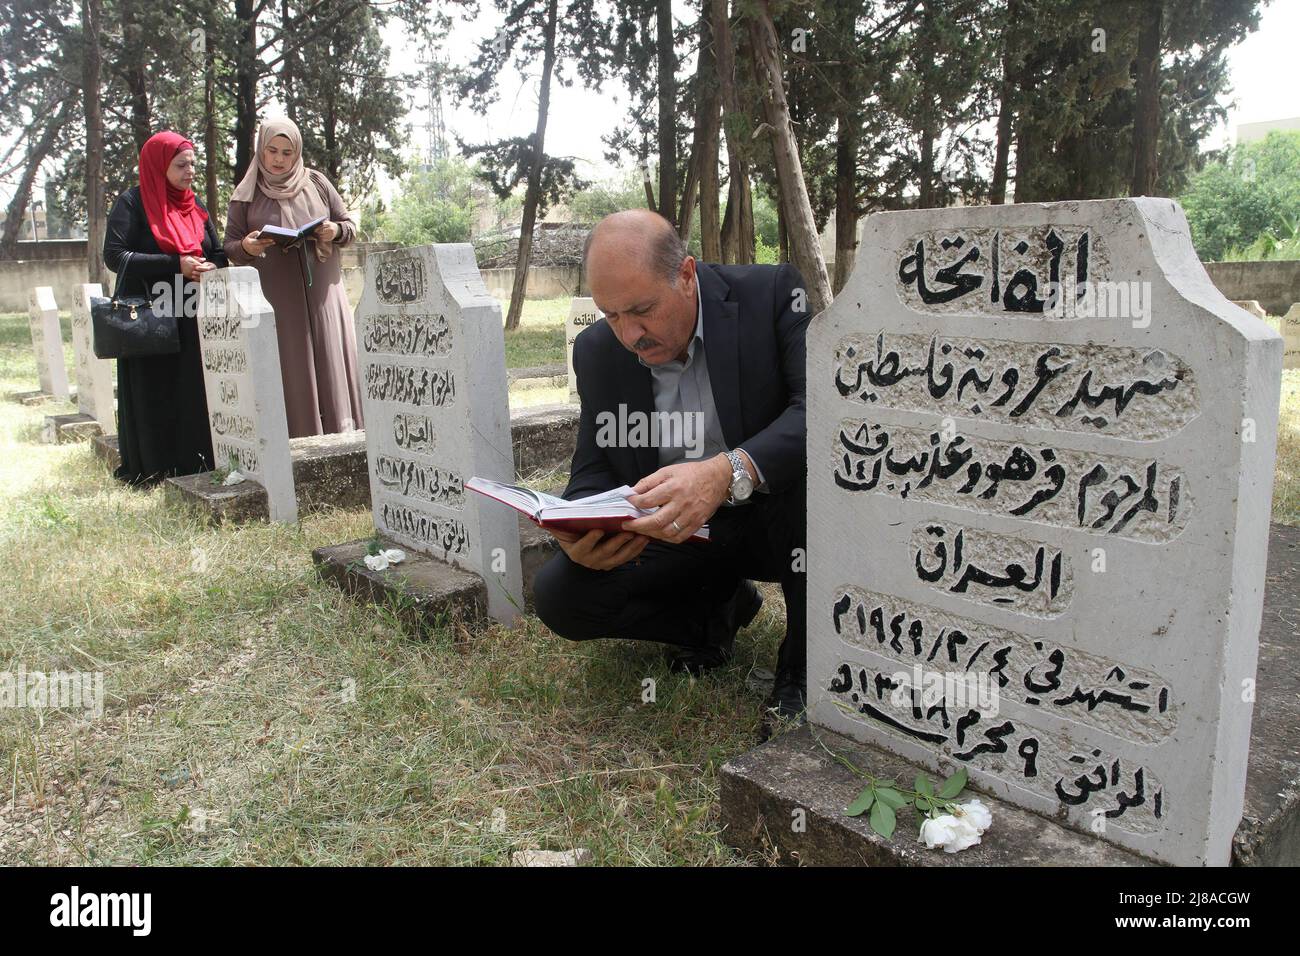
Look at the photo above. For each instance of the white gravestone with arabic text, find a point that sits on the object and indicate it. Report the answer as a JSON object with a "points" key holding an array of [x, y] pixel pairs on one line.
{"points": [[1040, 462], [241, 374], [433, 383], [47, 341], [582, 313], [1290, 325], [94, 375]]}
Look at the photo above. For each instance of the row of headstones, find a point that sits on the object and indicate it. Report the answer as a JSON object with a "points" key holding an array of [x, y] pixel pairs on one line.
{"points": [[431, 357], [94, 376], [428, 337]]}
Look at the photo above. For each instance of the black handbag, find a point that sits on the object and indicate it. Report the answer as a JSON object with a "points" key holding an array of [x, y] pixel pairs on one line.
{"points": [[131, 326]]}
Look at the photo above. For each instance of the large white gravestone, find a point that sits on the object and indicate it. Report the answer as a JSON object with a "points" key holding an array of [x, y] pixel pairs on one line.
{"points": [[241, 374], [433, 384], [1061, 497], [94, 375], [582, 313], [47, 341]]}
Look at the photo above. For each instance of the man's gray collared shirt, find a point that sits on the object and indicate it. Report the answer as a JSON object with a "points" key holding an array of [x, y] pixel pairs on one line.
{"points": [[688, 426]]}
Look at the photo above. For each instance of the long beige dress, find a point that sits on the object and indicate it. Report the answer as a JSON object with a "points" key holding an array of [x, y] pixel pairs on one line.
{"points": [[314, 325]]}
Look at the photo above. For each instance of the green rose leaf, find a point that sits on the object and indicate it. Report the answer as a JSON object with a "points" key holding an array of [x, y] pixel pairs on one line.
{"points": [[953, 785], [862, 804], [923, 785], [923, 805], [893, 798], [883, 819]]}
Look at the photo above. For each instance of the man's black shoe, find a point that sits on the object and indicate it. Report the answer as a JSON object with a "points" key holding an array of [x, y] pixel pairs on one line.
{"points": [[788, 701], [724, 621]]}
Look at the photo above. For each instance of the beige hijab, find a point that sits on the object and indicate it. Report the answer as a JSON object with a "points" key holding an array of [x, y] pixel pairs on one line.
{"points": [[295, 190]]}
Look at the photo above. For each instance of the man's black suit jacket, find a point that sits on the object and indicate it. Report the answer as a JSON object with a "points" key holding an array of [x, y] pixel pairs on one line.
{"points": [[754, 344]]}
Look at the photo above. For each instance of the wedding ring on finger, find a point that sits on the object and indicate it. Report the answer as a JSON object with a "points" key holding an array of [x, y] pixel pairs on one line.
{"points": [[677, 527]]}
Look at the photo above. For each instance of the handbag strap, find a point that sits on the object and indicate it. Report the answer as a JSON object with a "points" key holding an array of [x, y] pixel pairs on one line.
{"points": [[117, 284]]}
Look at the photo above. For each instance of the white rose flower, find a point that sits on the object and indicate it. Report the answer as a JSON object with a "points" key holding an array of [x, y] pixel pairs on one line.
{"points": [[233, 478], [938, 831], [979, 816], [377, 562], [950, 832], [395, 555]]}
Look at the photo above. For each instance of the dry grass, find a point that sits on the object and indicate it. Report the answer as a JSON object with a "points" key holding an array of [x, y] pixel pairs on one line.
{"points": [[229, 736]]}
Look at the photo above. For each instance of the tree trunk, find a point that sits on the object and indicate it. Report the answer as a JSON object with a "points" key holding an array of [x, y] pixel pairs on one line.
{"points": [[23, 193], [1006, 109], [286, 69], [710, 228], [667, 60], [690, 192], [96, 215], [133, 72], [740, 207], [649, 186], [333, 161], [848, 133], [245, 85], [707, 161], [210, 146], [728, 234], [805, 247], [782, 233], [1146, 118], [532, 195], [702, 177]]}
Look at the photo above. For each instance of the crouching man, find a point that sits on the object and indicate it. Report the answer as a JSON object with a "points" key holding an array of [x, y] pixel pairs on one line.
{"points": [[692, 392]]}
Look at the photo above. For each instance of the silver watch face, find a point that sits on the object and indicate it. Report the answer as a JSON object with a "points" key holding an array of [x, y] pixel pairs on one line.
{"points": [[742, 487]]}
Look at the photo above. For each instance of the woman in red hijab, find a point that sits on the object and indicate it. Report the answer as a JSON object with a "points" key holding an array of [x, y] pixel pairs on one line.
{"points": [[159, 236]]}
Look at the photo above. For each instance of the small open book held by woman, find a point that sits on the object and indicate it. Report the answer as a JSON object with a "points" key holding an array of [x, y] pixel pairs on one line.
{"points": [[288, 238], [605, 511]]}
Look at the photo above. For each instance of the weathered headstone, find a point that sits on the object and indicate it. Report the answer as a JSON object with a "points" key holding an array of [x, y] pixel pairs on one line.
{"points": [[1290, 327], [433, 385], [1252, 306], [241, 375], [1040, 461], [47, 341], [582, 313], [94, 375]]}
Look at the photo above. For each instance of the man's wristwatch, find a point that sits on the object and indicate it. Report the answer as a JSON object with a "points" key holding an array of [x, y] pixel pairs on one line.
{"points": [[742, 486]]}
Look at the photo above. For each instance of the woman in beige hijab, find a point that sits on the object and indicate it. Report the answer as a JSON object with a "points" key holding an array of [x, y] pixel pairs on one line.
{"points": [[313, 319]]}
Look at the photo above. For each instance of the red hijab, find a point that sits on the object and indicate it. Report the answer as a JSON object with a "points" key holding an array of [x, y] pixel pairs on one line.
{"points": [[174, 217]]}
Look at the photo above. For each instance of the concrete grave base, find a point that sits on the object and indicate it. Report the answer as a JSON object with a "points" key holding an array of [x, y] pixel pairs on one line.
{"points": [[543, 437], [762, 788], [214, 502], [59, 429], [424, 591], [35, 397], [329, 471], [538, 376], [106, 450]]}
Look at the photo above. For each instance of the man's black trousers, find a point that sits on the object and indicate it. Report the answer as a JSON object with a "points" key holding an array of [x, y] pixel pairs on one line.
{"points": [[664, 594]]}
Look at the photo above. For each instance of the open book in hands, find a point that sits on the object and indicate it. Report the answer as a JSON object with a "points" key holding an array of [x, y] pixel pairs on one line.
{"points": [[288, 238], [605, 511]]}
